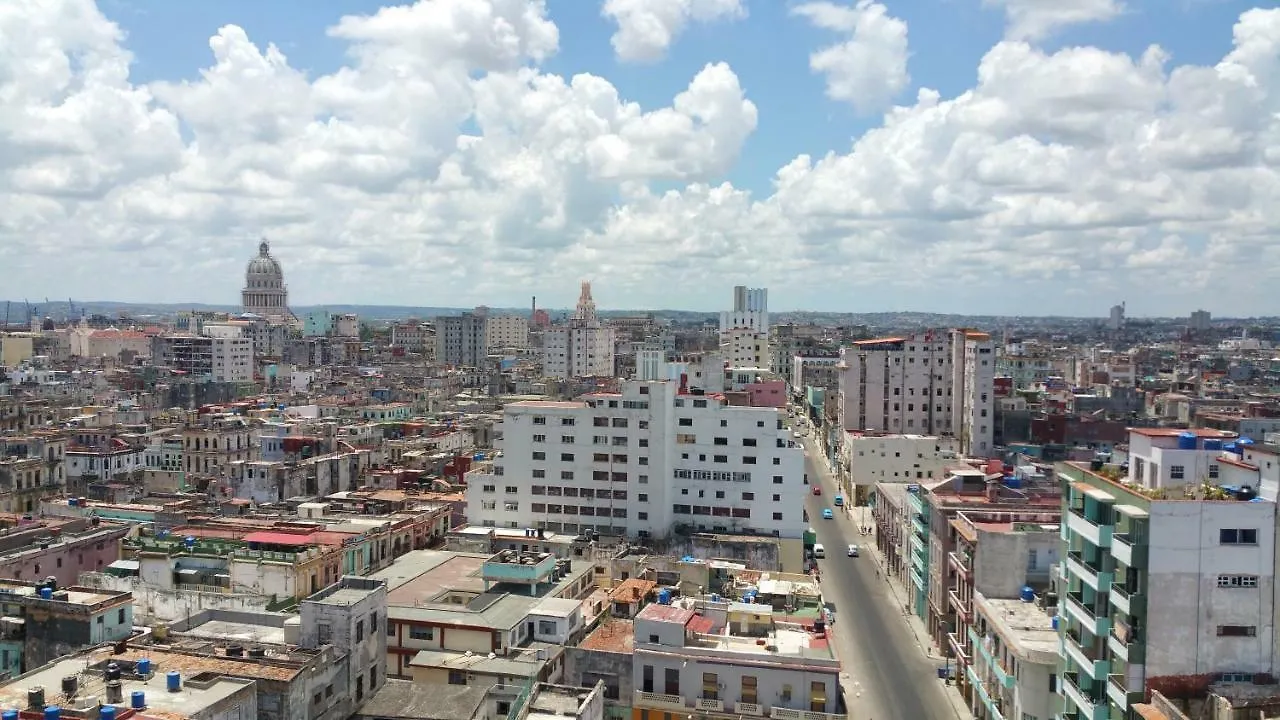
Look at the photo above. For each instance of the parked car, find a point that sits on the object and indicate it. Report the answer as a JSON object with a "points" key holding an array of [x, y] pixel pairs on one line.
{"points": [[839, 500], [819, 551], [827, 514]]}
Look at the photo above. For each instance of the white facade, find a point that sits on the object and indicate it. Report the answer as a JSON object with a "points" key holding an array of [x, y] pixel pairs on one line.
{"points": [[750, 311], [933, 383], [507, 331], [745, 347], [640, 463], [651, 363], [232, 359], [816, 371], [1157, 461], [875, 459], [1016, 657], [581, 347]]}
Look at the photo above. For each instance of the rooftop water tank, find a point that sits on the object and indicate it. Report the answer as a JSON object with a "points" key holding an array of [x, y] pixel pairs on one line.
{"points": [[664, 596], [46, 593], [173, 681], [1245, 441], [1212, 444], [143, 666], [138, 700], [53, 712], [1028, 594], [1187, 441], [107, 712], [9, 715]]}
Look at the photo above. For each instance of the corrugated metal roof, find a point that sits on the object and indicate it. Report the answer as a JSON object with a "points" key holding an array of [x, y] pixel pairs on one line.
{"points": [[279, 538]]}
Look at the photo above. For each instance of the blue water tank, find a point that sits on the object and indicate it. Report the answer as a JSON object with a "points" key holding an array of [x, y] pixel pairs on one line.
{"points": [[138, 700], [46, 593], [1055, 622], [1212, 444], [173, 681], [107, 712], [52, 712], [1187, 441], [73, 501], [1232, 448], [143, 666], [1028, 594], [189, 541], [664, 596], [1013, 481], [162, 534], [9, 715], [1245, 441]]}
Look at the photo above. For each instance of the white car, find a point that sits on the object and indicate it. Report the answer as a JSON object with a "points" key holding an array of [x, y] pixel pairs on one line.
{"points": [[853, 550], [796, 434], [819, 551]]}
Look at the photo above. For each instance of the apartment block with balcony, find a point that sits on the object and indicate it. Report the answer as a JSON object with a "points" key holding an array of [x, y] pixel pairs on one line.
{"points": [[1166, 588], [707, 659], [1014, 673], [997, 555]]}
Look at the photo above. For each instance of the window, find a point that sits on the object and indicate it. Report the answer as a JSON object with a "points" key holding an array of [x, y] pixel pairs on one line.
{"points": [[686, 439], [721, 441], [512, 489], [566, 439], [457, 677], [642, 515], [748, 460], [539, 473], [777, 516], [539, 455], [619, 422], [1237, 631], [539, 420], [538, 489], [373, 623], [719, 494], [1238, 536], [566, 474], [600, 422], [120, 616], [566, 421], [1237, 581], [1213, 472], [777, 479], [748, 496], [539, 438], [600, 457], [1177, 472], [566, 457], [720, 458], [748, 692], [685, 422], [359, 631], [710, 686]]}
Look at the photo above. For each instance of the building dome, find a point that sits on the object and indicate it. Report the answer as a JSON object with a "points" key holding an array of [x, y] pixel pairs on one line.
{"points": [[263, 268]]}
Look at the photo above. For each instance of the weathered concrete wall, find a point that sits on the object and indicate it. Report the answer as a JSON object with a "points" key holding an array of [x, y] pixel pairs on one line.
{"points": [[584, 668], [152, 605]]}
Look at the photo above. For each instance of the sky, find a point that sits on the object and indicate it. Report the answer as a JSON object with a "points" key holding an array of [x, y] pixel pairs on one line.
{"points": [[970, 156]]}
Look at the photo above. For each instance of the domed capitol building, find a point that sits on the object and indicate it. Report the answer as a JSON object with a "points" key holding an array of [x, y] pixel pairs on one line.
{"points": [[265, 293]]}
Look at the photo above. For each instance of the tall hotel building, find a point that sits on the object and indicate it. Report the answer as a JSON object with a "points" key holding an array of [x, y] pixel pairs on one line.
{"points": [[655, 459], [581, 347], [932, 383]]}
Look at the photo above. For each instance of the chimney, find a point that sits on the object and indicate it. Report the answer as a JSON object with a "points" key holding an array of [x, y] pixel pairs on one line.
{"points": [[535, 307]]}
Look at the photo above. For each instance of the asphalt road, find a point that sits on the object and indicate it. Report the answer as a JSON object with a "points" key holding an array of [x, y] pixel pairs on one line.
{"points": [[888, 677]]}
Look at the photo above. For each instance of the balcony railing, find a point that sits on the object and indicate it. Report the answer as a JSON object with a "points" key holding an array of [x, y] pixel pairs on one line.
{"points": [[779, 713], [745, 708], [1117, 692], [1129, 549], [709, 704], [1097, 533], [962, 653], [1087, 700], [961, 562], [961, 606], [659, 700]]}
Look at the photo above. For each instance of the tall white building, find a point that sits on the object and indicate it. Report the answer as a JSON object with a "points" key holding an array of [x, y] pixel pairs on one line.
{"points": [[642, 463], [1116, 320], [461, 340], [744, 330], [750, 310], [932, 383], [582, 346]]}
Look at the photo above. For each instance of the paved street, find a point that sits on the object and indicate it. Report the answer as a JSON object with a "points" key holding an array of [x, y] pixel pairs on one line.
{"points": [[889, 678]]}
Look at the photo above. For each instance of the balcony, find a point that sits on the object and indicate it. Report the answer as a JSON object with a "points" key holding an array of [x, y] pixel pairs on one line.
{"points": [[660, 701], [919, 525], [1097, 534], [918, 547], [1129, 549], [1125, 642], [1120, 598], [992, 704], [779, 713], [1117, 692], [1090, 573], [1097, 623], [961, 606], [917, 578], [1088, 658], [962, 654], [709, 705], [746, 708], [1090, 704], [992, 662], [961, 563]]}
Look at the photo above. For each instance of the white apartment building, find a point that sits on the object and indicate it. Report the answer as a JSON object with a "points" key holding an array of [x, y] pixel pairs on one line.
{"points": [[642, 463], [461, 340], [581, 347], [932, 383], [1168, 457], [1015, 659], [750, 311], [507, 331], [232, 359], [1159, 585], [744, 347], [878, 458], [814, 371]]}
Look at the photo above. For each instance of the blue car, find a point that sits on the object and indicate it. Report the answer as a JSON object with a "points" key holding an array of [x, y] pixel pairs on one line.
{"points": [[826, 514]]}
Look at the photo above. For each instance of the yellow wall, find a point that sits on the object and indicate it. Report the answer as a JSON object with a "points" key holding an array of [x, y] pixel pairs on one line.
{"points": [[15, 350]]}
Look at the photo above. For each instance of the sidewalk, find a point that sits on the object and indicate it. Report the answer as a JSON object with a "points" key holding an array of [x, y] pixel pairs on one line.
{"points": [[921, 633]]}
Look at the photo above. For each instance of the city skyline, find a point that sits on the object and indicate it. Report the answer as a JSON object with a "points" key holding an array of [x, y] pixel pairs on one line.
{"points": [[464, 152]]}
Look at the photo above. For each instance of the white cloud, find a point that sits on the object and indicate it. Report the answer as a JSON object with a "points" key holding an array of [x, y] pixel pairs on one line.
{"points": [[1036, 19], [647, 28], [869, 69], [442, 166]]}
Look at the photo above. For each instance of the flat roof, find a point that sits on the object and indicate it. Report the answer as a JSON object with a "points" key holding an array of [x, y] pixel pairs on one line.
{"points": [[657, 612], [614, 635], [405, 699], [240, 631], [1025, 626], [280, 538]]}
